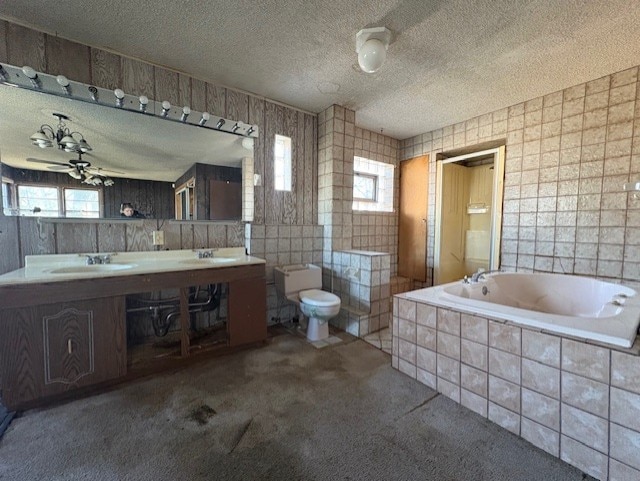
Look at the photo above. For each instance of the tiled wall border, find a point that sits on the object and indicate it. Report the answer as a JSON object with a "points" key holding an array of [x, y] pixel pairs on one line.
{"points": [[577, 401]]}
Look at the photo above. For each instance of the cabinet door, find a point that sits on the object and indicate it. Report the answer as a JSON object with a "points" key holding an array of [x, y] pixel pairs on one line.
{"points": [[53, 348], [247, 311]]}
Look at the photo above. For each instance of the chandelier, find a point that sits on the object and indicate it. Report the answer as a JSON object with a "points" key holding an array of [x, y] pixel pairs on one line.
{"points": [[60, 136]]}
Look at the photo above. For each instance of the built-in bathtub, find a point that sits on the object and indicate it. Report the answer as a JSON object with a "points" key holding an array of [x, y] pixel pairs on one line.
{"points": [[579, 307]]}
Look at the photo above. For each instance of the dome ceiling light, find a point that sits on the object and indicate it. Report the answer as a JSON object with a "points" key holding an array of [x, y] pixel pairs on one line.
{"points": [[371, 47]]}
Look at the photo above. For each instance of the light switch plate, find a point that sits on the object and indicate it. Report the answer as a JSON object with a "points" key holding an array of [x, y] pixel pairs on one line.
{"points": [[158, 238]]}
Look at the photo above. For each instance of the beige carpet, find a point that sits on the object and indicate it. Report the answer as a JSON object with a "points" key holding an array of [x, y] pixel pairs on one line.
{"points": [[286, 411]]}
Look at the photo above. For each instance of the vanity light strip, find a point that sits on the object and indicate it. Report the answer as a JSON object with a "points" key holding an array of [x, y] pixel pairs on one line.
{"points": [[13, 76]]}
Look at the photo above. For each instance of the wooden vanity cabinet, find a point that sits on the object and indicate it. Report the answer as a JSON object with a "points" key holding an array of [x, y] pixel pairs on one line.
{"points": [[50, 349]]}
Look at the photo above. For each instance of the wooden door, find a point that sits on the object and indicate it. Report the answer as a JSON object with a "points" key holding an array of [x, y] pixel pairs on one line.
{"points": [[453, 222], [412, 231]]}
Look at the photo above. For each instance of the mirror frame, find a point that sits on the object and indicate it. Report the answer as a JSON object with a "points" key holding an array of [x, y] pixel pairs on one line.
{"points": [[59, 86]]}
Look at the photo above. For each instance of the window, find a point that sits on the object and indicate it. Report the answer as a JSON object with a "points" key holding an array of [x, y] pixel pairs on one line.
{"points": [[365, 187], [81, 203], [48, 201], [8, 196], [372, 185], [282, 163]]}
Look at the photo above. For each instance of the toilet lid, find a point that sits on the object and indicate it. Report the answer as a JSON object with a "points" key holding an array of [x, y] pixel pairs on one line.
{"points": [[316, 297]]}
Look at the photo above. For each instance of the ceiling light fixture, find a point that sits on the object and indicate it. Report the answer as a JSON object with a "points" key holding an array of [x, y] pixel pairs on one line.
{"points": [[82, 171], [60, 136], [371, 47]]}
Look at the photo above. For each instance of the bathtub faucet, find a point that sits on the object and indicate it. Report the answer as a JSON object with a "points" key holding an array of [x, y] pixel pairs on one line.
{"points": [[476, 276]]}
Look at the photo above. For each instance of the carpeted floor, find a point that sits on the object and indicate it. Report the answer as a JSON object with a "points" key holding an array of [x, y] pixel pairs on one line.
{"points": [[286, 411]]}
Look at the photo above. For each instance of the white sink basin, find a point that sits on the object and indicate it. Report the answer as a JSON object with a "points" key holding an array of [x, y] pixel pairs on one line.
{"points": [[211, 260], [91, 268]]}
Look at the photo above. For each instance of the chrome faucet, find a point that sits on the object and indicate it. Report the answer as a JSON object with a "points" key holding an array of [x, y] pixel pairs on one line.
{"points": [[98, 259], [205, 254], [476, 276]]}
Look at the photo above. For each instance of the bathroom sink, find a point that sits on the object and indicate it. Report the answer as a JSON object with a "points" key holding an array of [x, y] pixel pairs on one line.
{"points": [[85, 269], [211, 260]]}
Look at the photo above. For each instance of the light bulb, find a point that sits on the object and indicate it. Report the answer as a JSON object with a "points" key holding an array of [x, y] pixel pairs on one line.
{"points": [[119, 93], [185, 113], [205, 118], [166, 106], [62, 81], [372, 55], [29, 72]]}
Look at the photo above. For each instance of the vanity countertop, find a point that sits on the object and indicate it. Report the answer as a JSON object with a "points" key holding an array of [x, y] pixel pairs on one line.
{"points": [[66, 267]]}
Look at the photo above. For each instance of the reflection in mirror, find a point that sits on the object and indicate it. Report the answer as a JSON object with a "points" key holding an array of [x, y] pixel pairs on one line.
{"points": [[166, 170]]}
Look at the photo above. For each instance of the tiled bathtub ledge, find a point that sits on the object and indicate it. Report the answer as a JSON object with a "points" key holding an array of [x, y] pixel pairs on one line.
{"points": [[578, 401]]}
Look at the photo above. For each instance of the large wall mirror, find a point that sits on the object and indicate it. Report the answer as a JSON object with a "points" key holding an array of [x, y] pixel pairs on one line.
{"points": [[164, 169]]}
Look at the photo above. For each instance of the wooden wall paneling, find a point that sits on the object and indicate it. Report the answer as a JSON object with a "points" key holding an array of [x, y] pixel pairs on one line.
{"points": [[106, 69], [172, 235], [80, 237], [315, 170], [138, 78], [217, 235], [164, 200], [10, 249], [201, 193], [308, 173], [198, 95], [256, 116], [216, 100], [289, 128], [138, 235], [68, 58], [186, 235], [235, 235], [184, 91], [25, 47], [36, 237], [200, 236], [300, 171], [111, 237], [3, 41], [166, 83], [237, 106], [270, 130]]}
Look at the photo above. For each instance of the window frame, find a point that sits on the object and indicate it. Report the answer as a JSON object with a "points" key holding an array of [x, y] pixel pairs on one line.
{"points": [[287, 175], [61, 199], [375, 178]]}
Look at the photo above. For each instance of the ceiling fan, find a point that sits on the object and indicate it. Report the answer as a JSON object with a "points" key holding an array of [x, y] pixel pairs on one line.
{"points": [[80, 169]]}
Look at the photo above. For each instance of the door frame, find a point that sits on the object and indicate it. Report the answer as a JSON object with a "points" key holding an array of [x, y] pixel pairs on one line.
{"points": [[496, 206]]}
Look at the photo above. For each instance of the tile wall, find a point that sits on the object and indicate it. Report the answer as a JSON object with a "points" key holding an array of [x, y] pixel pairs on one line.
{"points": [[281, 245], [338, 141], [361, 280], [577, 401], [568, 155], [378, 231]]}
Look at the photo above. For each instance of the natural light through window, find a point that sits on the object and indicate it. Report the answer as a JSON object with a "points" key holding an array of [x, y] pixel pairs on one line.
{"points": [[282, 163], [46, 201], [372, 185]]}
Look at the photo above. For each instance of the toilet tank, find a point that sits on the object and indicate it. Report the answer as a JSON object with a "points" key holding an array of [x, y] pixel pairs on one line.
{"points": [[297, 277]]}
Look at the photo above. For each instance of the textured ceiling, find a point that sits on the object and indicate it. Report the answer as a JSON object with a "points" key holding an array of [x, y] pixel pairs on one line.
{"points": [[448, 61]]}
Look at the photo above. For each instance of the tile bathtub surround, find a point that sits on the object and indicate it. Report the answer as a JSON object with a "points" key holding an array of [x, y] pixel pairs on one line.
{"points": [[361, 280], [576, 401], [568, 155]]}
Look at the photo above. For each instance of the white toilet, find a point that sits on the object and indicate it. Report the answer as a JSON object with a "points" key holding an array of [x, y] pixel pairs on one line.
{"points": [[302, 284]]}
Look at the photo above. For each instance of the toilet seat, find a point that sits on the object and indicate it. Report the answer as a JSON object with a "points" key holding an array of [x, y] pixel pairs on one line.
{"points": [[316, 297]]}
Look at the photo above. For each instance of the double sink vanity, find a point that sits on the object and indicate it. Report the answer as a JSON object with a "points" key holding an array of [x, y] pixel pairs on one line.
{"points": [[63, 317]]}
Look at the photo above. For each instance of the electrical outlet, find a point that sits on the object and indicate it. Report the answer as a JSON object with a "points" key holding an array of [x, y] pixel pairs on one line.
{"points": [[158, 238]]}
